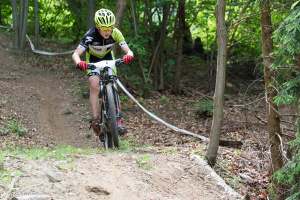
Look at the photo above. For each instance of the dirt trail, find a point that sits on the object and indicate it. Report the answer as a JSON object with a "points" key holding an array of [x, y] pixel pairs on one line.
{"points": [[118, 176], [44, 102], [54, 106]]}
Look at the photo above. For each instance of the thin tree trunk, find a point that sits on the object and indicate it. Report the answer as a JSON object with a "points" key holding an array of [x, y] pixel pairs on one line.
{"points": [[36, 22], [272, 115], [179, 35], [20, 21], [159, 46], [15, 23], [136, 35], [24, 6], [269, 74], [133, 16], [214, 139], [161, 85], [121, 5], [91, 13], [0, 13]]}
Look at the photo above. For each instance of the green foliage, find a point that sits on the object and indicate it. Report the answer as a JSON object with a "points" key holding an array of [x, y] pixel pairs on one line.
{"points": [[204, 107], [37, 153], [287, 36], [6, 11], [164, 99], [289, 176], [58, 153], [144, 162], [129, 144], [13, 126], [288, 91], [4, 131], [124, 98], [7, 175], [56, 20]]}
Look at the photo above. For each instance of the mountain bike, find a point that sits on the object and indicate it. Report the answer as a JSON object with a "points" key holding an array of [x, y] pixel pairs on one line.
{"points": [[110, 107]]}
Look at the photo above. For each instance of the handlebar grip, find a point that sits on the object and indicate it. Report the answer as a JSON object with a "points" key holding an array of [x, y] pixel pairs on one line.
{"points": [[91, 66], [119, 61]]}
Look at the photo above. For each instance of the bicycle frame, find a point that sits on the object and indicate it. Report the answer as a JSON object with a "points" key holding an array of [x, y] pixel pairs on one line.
{"points": [[110, 108]]}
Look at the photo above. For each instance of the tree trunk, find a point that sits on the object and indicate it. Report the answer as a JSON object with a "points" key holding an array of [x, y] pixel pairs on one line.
{"points": [[133, 16], [272, 111], [179, 36], [121, 5], [214, 139], [0, 13], [91, 13], [161, 85], [36, 22], [269, 74], [159, 47], [136, 35], [23, 18], [15, 23]]}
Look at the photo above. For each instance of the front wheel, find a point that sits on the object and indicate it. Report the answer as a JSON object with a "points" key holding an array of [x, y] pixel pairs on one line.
{"points": [[113, 137], [104, 137]]}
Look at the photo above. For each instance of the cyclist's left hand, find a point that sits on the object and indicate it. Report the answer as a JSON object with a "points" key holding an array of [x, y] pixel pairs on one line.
{"points": [[127, 59]]}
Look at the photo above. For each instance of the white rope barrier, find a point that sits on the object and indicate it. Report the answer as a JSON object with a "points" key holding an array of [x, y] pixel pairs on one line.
{"points": [[45, 52], [185, 132], [37, 51], [6, 27]]}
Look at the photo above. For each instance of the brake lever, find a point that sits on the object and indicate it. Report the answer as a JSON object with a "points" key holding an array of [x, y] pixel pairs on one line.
{"points": [[119, 61], [91, 66]]}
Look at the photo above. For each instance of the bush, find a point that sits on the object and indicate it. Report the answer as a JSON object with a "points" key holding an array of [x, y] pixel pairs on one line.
{"points": [[289, 175], [15, 127], [204, 108]]}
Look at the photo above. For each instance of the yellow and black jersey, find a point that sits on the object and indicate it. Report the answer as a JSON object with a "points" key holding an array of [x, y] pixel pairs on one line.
{"points": [[97, 47]]}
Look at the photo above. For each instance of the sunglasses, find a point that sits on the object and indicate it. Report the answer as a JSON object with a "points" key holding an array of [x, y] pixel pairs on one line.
{"points": [[105, 28]]}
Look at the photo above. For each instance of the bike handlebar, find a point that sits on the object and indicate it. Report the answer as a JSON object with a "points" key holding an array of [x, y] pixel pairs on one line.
{"points": [[105, 63]]}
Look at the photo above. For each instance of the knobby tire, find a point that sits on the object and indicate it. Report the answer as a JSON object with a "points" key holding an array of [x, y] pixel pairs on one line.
{"points": [[113, 137]]}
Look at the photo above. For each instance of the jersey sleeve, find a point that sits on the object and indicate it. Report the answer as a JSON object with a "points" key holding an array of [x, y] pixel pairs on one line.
{"points": [[118, 36], [86, 40]]}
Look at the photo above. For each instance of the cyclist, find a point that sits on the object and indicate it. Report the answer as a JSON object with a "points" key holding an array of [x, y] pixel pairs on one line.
{"points": [[97, 43]]}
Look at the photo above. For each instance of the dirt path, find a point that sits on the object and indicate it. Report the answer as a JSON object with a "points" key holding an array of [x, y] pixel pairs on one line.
{"points": [[117, 176], [54, 107], [44, 102]]}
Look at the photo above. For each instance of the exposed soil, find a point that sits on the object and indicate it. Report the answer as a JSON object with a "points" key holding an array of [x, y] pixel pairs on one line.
{"points": [[42, 94], [117, 176]]}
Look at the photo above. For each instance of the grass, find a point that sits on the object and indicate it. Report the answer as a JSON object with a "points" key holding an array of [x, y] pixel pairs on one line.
{"points": [[164, 100], [169, 151], [36, 153], [144, 162], [65, 153], [13, 126], [4, 131], [129, 144], [204, 107]]}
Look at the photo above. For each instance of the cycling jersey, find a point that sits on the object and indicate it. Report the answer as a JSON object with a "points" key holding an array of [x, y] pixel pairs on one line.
{"points": [[97, 47]]}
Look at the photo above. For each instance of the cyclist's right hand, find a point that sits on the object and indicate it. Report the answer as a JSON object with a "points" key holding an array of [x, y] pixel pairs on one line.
{"points": [[82, 65]]}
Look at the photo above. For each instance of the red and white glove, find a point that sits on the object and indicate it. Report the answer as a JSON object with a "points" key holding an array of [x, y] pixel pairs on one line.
{"points": [[82, 65], [127, 59]]}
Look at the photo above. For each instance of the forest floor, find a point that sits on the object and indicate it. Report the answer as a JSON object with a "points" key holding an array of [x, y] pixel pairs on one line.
{"points": [[43, 108]]}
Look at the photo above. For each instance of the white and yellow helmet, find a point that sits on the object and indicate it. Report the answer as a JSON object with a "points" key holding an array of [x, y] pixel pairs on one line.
{"points": [[104, 18]]}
